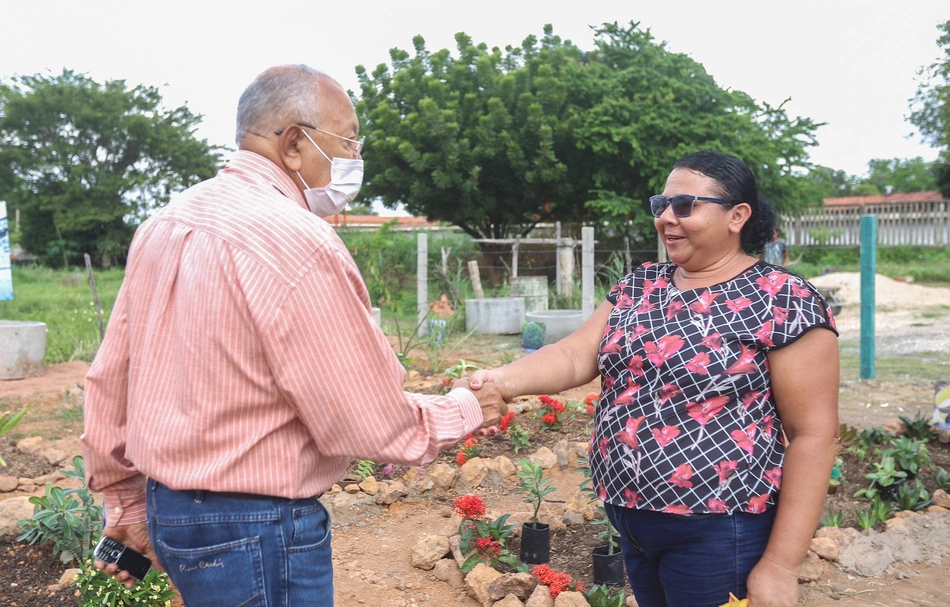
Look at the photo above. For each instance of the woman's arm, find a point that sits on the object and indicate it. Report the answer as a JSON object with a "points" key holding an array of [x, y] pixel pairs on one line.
{"points": [[805, 387], [566, 364]]}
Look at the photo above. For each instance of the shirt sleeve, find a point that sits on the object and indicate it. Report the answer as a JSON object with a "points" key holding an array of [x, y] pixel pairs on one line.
{"points": [[339, 372], [796, 309], [106, 423]]}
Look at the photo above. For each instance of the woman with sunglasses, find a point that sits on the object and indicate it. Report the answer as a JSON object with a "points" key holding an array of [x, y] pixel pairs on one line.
{"points": [[715, 434]]}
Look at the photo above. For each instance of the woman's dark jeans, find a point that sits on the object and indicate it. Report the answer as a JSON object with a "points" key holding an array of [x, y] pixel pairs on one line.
{"points": [[689, 561]]}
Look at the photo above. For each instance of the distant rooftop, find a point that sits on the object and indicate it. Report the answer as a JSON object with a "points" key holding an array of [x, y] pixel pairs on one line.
{"points": [[899, 198], [371, 222]]}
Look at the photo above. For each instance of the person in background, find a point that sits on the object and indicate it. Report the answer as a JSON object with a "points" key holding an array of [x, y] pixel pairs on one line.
{"points": [[242, 368], [775, 251], [705, 363]]}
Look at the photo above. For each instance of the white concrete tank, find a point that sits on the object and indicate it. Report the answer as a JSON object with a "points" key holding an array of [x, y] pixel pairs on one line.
{"points": [[22, 348]]}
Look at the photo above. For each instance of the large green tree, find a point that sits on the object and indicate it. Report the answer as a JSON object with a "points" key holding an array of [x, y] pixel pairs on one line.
{"points": [[902, 174], [496, 141], [931, 107], [86, 162]]}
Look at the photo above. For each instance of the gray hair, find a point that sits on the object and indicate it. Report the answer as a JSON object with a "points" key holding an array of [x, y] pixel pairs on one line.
{"points": [[278, 97]]}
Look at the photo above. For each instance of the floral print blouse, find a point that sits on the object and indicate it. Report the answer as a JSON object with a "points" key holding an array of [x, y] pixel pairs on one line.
{"points": [[687, 423]]}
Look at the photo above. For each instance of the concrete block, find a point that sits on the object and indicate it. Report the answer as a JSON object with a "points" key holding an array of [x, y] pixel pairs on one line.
{"points": [[558, 324], [22, 348], [501, 315]]}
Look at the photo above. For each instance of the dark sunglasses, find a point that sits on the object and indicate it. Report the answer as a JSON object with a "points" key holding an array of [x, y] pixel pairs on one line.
{"points": [[682, 203]]}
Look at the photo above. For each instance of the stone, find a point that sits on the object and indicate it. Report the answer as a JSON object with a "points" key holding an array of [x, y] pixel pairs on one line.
{"points": [[568, 452], [943, 435], [570, 518], [570, 598], [477, 582], [391, 492], [8, 484], [825, 547], [541, 597], [30, 445], [895, 427], [447, 570], [428, 551], [13, 510], [53, 455], [583, 505], [494, 476], [941, 498], [473, 471], [896, 523], [543, 457], [73, 396], [631, 602], [937, 509], [520, 585], [509, 601], [454, 542], [69, 577], [507, 468], [812, 569], [351, 489], [369, 486], [443, 475], [334, 489], [417, 480]]}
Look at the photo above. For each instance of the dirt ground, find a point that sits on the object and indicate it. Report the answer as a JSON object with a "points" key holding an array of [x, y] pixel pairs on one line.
{"points": [[371, 557]]}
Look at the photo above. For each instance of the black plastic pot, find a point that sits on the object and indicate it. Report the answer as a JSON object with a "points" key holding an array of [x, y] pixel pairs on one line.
{"points": [[535, 543], [608, 568], [890, 492]]}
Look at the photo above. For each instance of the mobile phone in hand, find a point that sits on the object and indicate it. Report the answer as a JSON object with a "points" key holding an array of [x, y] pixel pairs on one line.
{"points": [[113, 551]]}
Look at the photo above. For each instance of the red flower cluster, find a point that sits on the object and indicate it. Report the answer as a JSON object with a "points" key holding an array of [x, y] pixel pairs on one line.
{"points": [[468, 451], [488, 546], [551, 413], [470, 507], [591, 402], [556, 581], [506, 421]]}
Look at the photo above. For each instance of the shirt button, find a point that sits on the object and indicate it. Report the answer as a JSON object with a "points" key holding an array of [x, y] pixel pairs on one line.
{"points": [[117, 510]]}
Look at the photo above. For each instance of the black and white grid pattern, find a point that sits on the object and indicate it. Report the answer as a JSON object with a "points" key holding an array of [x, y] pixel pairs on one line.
{"points": [[687, 423]]}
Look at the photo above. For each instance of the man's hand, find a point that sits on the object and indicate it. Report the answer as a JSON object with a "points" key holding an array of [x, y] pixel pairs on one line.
{"points": [[135, 537], [489, 398]]}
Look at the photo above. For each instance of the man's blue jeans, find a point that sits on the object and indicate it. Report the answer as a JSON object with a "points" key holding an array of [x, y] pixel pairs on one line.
{"points": [[226, 549], [689, 561]]}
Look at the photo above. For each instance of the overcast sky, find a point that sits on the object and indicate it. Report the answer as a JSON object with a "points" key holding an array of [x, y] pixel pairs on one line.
{"points": [[851, 64]]}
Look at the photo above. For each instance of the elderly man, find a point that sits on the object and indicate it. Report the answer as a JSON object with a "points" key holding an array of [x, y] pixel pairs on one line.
{"points": [[242, 367]]}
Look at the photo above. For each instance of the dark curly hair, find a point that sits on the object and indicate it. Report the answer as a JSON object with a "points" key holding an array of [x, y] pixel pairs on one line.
{"points": [[736, 182]]}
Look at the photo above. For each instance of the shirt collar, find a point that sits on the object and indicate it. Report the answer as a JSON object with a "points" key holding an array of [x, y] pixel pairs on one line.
{"points": [[245, 161]]}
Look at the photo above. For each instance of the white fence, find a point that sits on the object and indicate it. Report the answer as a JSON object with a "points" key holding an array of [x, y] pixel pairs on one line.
{"points": [[914, 223]]}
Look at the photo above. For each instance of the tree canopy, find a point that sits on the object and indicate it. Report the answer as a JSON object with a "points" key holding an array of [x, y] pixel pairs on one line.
{"points": [[496, 141], [931, 107], [86, 162]]}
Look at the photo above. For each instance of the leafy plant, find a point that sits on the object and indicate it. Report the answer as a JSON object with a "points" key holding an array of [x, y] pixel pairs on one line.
{"points": [[941, 479], [550, 413], [532, 335], [909, 455], [365, 468], [481, 540], [609, 532], [918, 428], [866, 519], [603, 595], [884, 475], [7, 423], [881, 509], [912, 496], [69, 518], [832, 519], [534, 485], [867, 439], [436, 351], [97, 589], [468, 450], [517, 434]]}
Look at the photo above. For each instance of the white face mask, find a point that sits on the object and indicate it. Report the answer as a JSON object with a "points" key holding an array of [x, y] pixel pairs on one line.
{"points": [[346, 177]]}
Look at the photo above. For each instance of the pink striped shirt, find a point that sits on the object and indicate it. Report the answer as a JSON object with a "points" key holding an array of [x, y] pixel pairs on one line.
{"points": [[242, 356]]}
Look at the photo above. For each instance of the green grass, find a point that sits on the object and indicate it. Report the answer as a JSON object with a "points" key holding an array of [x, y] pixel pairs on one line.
{"points": [[63, 300], [927, 366]]}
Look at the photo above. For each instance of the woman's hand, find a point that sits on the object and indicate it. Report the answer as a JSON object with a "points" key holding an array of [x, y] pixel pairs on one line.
{"points": [[772, 585], [479, 380]]}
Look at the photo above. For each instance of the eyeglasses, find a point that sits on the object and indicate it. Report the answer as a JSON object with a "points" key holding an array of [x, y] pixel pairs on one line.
{"points": [[358, 142], [682, 203]]}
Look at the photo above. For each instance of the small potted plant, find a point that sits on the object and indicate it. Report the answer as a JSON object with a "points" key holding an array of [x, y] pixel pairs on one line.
{"points": [[535, 536], [608, 559], [532, 336]]}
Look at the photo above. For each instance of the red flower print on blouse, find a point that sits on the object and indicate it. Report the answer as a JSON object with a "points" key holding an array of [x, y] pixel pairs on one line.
{"points": [[650, 285], [631, 498], [660, 351], [744, 363], [668, 391], [673, 309], [624, 301], [757, 505], [602, 492], [681, 476], [772, 283], [602, 446], [704, 411], [628, 396], [635, 366], [628, 436], [745, 439], [677, 509], [780, 315], [698, 364], [638, 331], [768, 422], [665, 435], [738, 304], [613, 345], [713, 342], [716, 506], [754, 397], [800, 290], [704, 304], [724, 469], [645, 306], [764, 334], [774, 476]]}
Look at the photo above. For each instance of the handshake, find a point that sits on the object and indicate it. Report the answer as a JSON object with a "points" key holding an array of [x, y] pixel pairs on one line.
{"points": [[492, 394]]}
